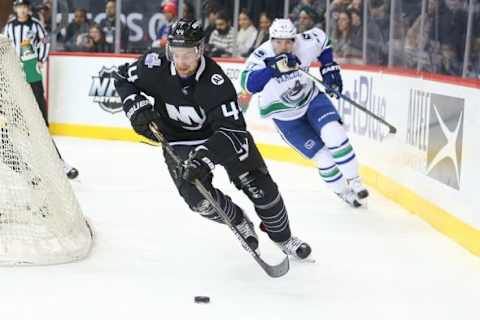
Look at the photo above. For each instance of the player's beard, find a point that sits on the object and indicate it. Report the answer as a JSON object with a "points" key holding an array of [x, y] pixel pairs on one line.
{"points": [[186, 71]]}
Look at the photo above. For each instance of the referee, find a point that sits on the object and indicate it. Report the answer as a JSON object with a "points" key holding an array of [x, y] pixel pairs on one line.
{"points": [[30, 41]]}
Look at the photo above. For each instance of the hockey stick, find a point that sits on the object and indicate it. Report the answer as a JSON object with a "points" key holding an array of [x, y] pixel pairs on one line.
{"points": [[273, 271], [391, 128]]}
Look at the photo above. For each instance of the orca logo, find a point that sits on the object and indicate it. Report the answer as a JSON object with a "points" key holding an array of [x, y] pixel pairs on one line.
{"points": [[103, 91], [217, 79], [445, 137]]}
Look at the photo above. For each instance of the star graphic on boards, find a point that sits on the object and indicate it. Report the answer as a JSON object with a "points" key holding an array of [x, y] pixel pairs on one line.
{"points": [[449, 149]]}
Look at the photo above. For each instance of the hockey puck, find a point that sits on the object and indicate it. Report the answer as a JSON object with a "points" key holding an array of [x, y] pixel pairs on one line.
{"points": [[202, 299]]}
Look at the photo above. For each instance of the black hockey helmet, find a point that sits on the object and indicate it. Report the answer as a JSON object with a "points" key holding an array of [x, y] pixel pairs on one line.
{"points": [[186, 33]]}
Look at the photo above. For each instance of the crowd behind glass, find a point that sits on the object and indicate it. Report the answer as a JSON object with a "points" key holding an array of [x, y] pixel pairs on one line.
{"points": [[438, 36]]}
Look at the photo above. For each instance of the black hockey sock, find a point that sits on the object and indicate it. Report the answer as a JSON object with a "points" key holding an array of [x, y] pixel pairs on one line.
{"points": [[233, 212], [274, 219]]}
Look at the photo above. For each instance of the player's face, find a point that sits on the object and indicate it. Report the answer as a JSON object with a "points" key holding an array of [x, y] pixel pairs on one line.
{"points": [[283, 45], [186, 61]]}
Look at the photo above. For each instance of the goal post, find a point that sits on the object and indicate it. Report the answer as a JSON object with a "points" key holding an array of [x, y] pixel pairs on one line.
{"points": [[40, 218]]}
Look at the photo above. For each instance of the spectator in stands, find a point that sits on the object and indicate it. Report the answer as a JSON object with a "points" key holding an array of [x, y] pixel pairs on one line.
{"points": [[453, 31], [44, 11], [188, 11], [94, 41], [379, 14], [342, 39], [356, 5], [474, 68], [408, 11], [211, 17], [222, 38], [440, 48], [169, 10], [422, 47], [319, 6], [108, 27], [356, 28], [377, 49], [336, 7], [451, 62], [246, 35], [264, 23], [307, 20], [79, 25]]}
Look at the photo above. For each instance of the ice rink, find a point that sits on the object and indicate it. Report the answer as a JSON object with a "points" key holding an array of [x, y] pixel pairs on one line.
{"points": [[152, 255]]}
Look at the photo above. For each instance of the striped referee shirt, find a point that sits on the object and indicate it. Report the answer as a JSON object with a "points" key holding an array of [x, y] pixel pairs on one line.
{"points": [[32, 30]]}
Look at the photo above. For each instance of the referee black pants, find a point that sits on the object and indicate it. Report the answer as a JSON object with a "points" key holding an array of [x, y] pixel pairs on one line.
{"points": [[39, 93]]}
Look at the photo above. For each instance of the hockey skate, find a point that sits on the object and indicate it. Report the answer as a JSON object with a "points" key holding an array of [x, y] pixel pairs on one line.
{"points": [[70, 171], [296, 248], [350, 198], [357, 187], [248, 232]]}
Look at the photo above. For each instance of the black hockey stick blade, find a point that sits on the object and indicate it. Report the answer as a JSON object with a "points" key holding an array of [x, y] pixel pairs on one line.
{"points": [[273, 271], [391, 128]]}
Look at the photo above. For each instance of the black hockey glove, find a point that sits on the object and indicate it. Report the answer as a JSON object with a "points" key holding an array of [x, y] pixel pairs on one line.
{"points": [[140, 112], [197, 166], [332, 78], [283, 63]]}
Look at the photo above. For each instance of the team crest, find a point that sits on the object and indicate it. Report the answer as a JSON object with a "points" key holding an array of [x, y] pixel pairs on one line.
{"points": [[217, 79]]}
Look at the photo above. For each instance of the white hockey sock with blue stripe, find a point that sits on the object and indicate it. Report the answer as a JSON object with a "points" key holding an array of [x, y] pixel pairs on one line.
{"points": [[338, 144], [329, 171]]}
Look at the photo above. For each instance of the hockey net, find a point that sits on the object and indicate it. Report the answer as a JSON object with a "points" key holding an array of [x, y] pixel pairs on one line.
{"points": [[40, 218]]}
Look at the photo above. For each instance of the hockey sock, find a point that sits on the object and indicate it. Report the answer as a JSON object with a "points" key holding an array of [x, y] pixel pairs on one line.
{"points": [[329, 171], [274, 219], [233, 212], [337, 142], [263, 192]]}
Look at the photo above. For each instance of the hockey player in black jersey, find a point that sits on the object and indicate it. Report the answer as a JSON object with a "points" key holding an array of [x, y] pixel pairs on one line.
{"points": [[196, 109]]}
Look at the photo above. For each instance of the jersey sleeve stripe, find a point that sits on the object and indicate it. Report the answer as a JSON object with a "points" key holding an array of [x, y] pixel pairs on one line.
{"points": [[326, 44], [243, 80]]}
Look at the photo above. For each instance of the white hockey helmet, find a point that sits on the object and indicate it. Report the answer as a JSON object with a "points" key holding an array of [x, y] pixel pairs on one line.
{"points": [[282, 29]]}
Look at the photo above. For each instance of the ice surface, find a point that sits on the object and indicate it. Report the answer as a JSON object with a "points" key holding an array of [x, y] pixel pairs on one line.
{"points": [[152, 255]]}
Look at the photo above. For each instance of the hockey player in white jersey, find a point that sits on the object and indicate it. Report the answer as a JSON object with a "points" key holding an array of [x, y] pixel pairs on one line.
{"points": [[304, 116]]}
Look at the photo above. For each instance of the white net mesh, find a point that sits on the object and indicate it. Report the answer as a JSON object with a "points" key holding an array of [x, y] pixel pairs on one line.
{"points": [[40, 218]]}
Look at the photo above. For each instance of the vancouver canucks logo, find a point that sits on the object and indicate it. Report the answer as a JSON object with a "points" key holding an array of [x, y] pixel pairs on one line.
{"points": [[102, 90], [296, 94]]}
